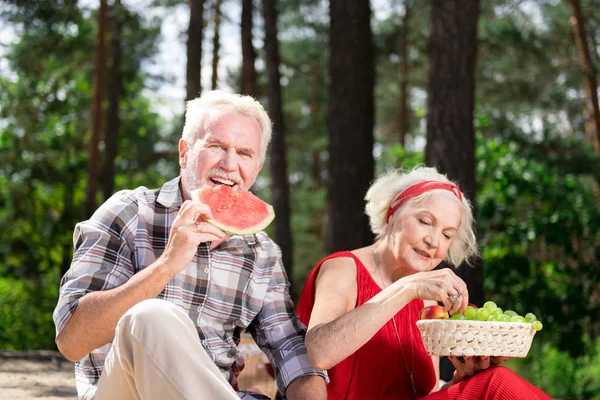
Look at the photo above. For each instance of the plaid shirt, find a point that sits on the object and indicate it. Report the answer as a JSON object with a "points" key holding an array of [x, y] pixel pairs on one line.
{"points": [[239, 285]]}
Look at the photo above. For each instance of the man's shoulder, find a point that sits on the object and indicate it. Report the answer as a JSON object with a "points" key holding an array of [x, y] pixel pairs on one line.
{"points": [[166, 196], [129, 199], [139, 195]]}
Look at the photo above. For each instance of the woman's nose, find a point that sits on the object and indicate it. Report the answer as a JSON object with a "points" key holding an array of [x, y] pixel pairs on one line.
{"points": [[431, 239]]}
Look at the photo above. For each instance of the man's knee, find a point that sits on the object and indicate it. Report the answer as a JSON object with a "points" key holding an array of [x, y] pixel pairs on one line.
{"points": [[153, 313]]}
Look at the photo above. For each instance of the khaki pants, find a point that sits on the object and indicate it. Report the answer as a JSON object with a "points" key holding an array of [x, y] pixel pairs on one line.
{"points": [[156, 354]]}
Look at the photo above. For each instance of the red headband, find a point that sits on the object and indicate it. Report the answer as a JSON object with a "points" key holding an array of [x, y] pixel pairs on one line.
{"points": [[418, 189]]}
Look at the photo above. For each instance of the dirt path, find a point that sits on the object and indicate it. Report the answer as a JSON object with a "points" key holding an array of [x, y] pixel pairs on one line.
{"points": [[36, 376], [48, 375]]}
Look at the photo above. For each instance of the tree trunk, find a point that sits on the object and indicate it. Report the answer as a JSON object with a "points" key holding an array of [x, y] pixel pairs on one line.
{"points": [[216, 45], [194, 50], [315, 113], [404, 101], [451, 98], [248, 80], [93, 169], [590, 83], [450, 106], [114, 93], [351, 117], [279, 177]]}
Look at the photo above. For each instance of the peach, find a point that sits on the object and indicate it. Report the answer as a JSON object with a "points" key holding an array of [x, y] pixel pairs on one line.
{"points": [[434, 312]]}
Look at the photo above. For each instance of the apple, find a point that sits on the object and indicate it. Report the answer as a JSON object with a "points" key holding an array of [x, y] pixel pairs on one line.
{"points": [[473, 305], [434, 312]]}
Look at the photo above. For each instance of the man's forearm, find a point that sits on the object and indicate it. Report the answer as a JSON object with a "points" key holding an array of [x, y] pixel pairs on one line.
{"points": [[94, 321], [308, 387]]}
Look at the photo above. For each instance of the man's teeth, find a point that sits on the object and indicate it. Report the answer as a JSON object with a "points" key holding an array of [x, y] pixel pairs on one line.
{"points": [[223, 181]]}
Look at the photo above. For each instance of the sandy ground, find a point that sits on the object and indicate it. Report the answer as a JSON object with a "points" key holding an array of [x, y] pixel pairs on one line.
{"points": [[36, 376], [48, 375]]}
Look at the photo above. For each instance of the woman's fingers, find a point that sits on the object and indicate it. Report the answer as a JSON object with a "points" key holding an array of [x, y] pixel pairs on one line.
{"points": [[470, 363], [498, 360], [484, 363]]}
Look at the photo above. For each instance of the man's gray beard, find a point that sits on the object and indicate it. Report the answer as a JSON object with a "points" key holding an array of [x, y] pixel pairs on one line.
{"points": [[191, 181]]}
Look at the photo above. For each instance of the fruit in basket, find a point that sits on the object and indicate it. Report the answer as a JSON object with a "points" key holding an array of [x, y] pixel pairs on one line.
{"points": [[433, 312], [491, 312], [471, 313]]}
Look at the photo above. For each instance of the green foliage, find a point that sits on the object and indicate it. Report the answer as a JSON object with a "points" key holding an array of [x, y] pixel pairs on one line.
{"points": [[44, 118], [539, 254], [559, 374], [26, 309]]}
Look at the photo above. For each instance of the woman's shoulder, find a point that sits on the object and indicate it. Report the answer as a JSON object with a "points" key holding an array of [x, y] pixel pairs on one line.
{"points": [[342, 265]]}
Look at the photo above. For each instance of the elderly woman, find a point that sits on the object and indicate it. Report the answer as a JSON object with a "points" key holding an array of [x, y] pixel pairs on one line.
{"points": [[361, 305]]}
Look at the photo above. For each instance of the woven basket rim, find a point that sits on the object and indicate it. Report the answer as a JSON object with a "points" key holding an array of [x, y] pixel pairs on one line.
{"points": [[474, 322]]}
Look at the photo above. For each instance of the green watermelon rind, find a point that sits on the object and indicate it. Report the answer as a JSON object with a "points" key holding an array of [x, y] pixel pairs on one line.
{"points": [[248, 231]]}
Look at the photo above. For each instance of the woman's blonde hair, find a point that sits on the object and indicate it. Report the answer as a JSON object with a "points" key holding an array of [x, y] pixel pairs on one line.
{"points": [[385, 188]]}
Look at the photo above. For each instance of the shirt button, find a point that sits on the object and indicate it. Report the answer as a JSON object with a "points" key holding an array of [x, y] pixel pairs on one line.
{"points": [[206, 270]]}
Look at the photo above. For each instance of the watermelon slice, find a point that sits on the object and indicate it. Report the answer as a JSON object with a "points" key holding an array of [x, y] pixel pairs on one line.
{"points": [[235, 212]]}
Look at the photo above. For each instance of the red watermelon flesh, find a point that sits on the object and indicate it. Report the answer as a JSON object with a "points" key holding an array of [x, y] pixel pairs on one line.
{"points": [[235, 212]]}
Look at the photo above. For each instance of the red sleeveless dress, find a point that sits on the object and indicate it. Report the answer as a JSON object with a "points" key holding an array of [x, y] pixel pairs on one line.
{"points": [[377, 370]]}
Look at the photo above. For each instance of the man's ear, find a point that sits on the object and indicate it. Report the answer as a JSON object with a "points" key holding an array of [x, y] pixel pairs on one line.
{"points": [[258, 169], [182, 153]]}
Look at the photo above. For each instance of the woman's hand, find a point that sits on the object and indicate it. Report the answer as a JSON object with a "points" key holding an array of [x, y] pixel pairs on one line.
{"points": [[438, 286], [471, 366]]}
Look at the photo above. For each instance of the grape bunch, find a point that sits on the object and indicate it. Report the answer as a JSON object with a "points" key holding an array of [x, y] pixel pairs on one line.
{"points": [[491, 312]]}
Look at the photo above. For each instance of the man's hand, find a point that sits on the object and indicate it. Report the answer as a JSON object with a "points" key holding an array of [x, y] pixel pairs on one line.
{"points": [[187, 232], [307, 387]]}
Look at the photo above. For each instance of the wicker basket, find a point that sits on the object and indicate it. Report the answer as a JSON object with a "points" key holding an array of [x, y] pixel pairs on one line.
{"points": [[476, 338]]}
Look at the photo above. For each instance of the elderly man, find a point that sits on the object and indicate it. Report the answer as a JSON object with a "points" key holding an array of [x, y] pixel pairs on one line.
{"points": [[155, 300]]}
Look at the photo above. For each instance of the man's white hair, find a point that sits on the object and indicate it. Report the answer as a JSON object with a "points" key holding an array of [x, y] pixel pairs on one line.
{"points": [[197, 115], [385, 188]]}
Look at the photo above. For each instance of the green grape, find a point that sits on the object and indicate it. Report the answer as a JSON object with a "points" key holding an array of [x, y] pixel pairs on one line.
{"points": [[537, 325], [490, 305], [530, 317], [497, 312], [471, 313], [492, 317], [518, 318], [459, 316], [503, 318], [510, 313], [483, 314]]}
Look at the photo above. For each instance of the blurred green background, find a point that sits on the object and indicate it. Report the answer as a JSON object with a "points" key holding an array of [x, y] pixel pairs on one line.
{"points": [[537, 164]]}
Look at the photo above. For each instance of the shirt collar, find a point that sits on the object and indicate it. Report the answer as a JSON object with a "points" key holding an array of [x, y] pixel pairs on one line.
{"points": [[169, 194]]}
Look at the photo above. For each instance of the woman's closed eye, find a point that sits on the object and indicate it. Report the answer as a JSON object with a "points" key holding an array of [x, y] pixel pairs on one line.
{"points": [[423, 222]]}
